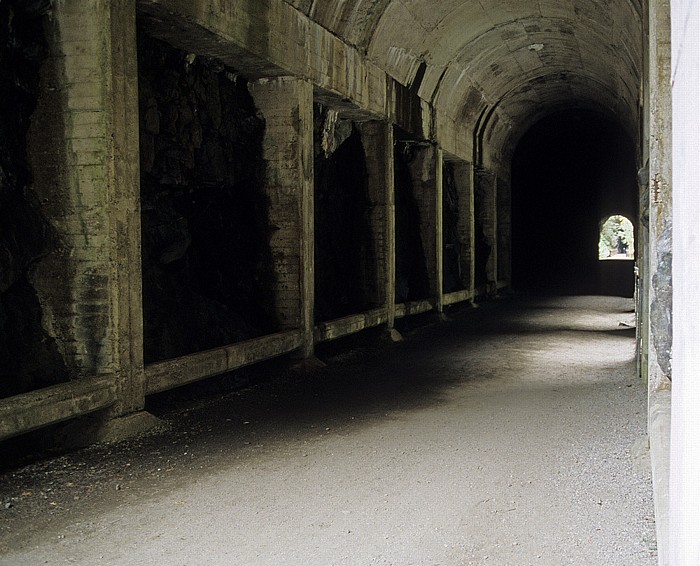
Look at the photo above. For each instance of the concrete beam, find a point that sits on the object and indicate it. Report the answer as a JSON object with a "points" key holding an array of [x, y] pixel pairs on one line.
{"points": [[267, 38], [187, 369], [414, 307], [51, 405], [345, 326]]}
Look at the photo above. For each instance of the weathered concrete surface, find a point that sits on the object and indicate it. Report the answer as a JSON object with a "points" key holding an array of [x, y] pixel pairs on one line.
{"points": [[684, 487], [504, 437]]}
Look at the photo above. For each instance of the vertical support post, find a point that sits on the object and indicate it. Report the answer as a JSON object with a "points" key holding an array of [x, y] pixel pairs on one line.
{"points": [[659, 262], [84, 148], [287, 105], [684, 489], [488, 216], [465, 191], [426, 170], [503, 229], [378, 142]]}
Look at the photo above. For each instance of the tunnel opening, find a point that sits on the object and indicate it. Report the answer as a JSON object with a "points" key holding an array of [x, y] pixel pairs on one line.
{"points": [[569, 170], [412, 280], [207, 266], [345, 276], [29, 355]]}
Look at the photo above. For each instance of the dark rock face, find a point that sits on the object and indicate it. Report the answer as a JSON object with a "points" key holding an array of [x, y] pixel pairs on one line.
{"points": [[28, 355], [452, 272], [412, 282], [345, 280], [207, 267]]}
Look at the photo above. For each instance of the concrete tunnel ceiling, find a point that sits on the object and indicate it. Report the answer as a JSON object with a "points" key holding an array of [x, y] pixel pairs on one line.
{"points": [[510, 61]]}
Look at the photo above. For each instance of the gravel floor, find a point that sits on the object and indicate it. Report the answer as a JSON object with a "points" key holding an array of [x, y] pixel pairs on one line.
{"points": [[512, 435]]}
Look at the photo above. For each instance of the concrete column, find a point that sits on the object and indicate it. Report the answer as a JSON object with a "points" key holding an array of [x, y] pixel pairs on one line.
{"points": [[287, 106], [464, 179], [426, 170], [684, 483], [84, 151], [378, 142], [487, 209], [503, 229], [658, 276]]}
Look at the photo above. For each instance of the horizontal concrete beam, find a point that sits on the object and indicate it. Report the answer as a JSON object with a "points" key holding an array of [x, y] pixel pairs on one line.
{"points": [[349, 325], [264, 38], [30, 411], [173, 373], [457, 297], [415, 307]]}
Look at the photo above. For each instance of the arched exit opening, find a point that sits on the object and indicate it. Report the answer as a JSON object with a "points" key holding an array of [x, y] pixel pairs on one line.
{"points": [[569, 171], [616, 240]]}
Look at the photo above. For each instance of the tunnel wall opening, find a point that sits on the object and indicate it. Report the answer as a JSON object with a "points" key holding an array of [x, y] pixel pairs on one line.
{"points": [[207, 266], [345, 275], [29, 356], [412, 279], [570, 170]]}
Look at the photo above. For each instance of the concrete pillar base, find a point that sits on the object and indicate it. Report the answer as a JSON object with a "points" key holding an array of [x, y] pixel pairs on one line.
{"points": [[99, 429], [442, 317], [391, 335]]}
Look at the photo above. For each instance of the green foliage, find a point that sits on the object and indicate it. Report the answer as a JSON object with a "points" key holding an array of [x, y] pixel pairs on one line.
{"points": [[616, 238]]}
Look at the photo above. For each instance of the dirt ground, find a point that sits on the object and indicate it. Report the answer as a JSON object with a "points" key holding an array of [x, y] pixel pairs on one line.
{"points": [[510, 435]]}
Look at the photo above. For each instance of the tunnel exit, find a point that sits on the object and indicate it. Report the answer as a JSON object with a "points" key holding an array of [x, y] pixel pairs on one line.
{"points": [[570, 170]]}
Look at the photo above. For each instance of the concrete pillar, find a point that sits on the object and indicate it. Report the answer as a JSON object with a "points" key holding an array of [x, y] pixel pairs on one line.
{"points": [[658, 276], [503, 229], [464, 179], [378, 142], [287, 106], [487, 209], [426, 171], [684, 483], [84, 152]]}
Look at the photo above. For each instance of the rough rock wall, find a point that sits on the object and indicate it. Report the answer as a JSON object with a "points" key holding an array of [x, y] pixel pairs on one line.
{"points": [[207, 265], [412, 282], [29, 358], [345, 280]]}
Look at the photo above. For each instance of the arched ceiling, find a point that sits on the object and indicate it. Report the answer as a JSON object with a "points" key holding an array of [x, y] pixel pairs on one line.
{"points": [[512, 61]]}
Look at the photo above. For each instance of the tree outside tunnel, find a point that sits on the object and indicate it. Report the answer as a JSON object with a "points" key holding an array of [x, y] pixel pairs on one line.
{"points": [[616, 238]]}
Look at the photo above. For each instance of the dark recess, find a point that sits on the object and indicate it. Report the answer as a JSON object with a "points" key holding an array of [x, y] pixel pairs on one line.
{"points": [[29, 358], [207, 266], [453, 277], [345, 281], [570, 171], [412, 282]]}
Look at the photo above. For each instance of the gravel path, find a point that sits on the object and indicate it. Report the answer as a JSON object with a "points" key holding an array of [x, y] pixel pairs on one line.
{"points": [[504, 437]]}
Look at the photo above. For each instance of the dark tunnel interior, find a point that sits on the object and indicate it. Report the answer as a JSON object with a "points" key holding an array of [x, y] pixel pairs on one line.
{"points": [[571, 171]]}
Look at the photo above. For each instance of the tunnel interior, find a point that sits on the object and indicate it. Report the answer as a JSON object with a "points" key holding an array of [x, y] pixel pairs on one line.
{"points": [[571, 171]]}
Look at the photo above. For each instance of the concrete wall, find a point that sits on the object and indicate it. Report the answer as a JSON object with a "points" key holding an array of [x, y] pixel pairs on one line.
{"points": [[684, 520]]}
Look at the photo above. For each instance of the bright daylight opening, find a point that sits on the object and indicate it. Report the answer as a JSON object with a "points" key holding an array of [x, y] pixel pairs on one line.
{"points": [[616, 238]]}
